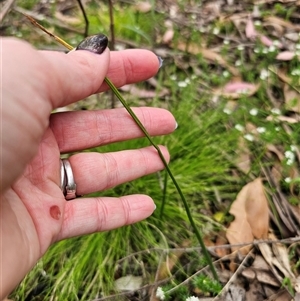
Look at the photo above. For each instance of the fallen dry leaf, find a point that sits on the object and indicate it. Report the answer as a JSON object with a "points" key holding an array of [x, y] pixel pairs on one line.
{"points": [[285, 56], [279, 21], [208, 54], [143, 7], [251, 213], [236, 90], [242, 157], [168, 36], [250, 29]]}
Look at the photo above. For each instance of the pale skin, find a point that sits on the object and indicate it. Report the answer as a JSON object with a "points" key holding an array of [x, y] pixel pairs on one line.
{"points": [[34, 213]]}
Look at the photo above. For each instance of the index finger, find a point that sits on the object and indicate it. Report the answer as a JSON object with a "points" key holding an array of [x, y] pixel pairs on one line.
{"points": [[81, 73]]}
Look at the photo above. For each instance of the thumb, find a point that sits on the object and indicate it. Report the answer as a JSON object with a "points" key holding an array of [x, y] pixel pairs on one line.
{"points": [[73, 76]]}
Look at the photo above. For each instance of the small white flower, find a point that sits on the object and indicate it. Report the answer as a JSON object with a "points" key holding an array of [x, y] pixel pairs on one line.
{"points": [[276, 43], [265, 50], [287, 180], [160, 294], [227, 111], [253, 111], [182, 84], [249, 137], [239, 127], [257, 23], [272, 48], [238, 63], [202, 29], [173, 77], [261, 129], [226, 42], [194, 76], [277, 129], [187, 81], [216, 30], [293, 148], [295, 72], [298, 46], [192, 298], [226, 73], [241, 47], [256, 50], [276, 111], [290, 156], [264, 74]]}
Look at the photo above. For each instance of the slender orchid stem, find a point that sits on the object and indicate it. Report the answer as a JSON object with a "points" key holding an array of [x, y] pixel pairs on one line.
{"points": [[145, 132]]}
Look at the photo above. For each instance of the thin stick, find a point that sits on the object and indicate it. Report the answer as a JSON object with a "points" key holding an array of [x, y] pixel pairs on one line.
{"points": [[6, 8], [112, 25], [56, 38], [86, 20], [112, 42]]}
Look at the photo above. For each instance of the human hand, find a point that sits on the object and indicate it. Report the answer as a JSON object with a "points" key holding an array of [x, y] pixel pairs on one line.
{"points": [[34, 212]]}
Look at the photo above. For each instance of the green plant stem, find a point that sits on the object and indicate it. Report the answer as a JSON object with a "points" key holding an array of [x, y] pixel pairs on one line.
{"points": [[186, 206]]}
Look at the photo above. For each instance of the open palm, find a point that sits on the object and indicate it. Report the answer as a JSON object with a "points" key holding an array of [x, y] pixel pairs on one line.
{"points": [[34, 212]]}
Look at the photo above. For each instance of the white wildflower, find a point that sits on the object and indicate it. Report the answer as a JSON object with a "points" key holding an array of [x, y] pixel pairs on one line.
{"points": [[160, 294], [265, 50], [192, 298], [298, 46], [264, 74], [276, 43], [253, 111], [288, 180], [241, 47], [227, 111], [261, 129], [276, 111], [238, 63], [182, 84], [202, 29], [225, 73], [257, 23], [272, 48], [239, 127], [295, 72], [290, 156], [249, 137], [256, 50], [173, 77], [293, 148], [216, 30], [226, 42]]}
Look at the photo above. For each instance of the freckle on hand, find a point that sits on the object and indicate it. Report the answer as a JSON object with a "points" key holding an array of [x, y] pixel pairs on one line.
{"points": [[55, 212]]}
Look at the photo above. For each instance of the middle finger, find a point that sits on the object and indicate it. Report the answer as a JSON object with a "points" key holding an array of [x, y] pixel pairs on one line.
{"points": [[75, 131]]}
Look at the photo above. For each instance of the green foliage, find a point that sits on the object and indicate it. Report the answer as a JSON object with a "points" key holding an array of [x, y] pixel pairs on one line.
{"points": [[207, 285]]}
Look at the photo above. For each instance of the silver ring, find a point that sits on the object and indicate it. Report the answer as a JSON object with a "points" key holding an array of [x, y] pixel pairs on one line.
{"points": [[68, 185]]}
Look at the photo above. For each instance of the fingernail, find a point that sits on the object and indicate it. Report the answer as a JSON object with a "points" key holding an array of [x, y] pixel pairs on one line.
{"points": [[160, 60], [96, 44], [154, 207], [176, 125]]}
